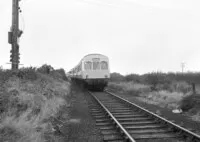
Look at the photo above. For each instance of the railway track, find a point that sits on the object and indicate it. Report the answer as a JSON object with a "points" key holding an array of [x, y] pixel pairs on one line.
{"points": [[120, 120]]}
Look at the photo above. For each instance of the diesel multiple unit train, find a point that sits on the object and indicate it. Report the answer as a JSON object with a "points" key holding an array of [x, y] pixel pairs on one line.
{"points": [[92, 71]]}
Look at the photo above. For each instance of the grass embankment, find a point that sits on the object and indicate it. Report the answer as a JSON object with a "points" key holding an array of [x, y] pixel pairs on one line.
{"points": [[30, 99], [171, 96]]}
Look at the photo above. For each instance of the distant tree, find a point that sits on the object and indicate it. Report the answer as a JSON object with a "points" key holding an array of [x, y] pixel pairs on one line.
{"points": [[133, 77], [156, 78], [117, 77]]}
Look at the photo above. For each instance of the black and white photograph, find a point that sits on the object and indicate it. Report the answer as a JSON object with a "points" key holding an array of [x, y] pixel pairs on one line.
{"points": [[100, 71]]}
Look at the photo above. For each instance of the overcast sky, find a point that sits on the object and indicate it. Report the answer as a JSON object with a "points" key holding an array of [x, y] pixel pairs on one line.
{"points": [[138, 36]]}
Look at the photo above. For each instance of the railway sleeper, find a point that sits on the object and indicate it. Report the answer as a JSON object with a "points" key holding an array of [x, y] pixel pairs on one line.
{"points": [[128, 116], [155, 136], [123, 113], [109, 102], [150, 126], [102, 120], [96, 111], [115, 106], [114, 137], [110, 127], [134, 119], [118, 111], [149, 131], [138, 123], [104, 124], [100, 117], [108, 132]]}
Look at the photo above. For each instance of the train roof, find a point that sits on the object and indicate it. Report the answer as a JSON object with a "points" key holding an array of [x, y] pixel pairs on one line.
{"points": [[94, 55]]}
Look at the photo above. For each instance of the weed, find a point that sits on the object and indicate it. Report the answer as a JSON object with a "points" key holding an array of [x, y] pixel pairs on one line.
{"points": [[27, 98]]}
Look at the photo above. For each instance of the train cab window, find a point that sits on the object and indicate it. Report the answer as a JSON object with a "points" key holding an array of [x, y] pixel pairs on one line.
{"points": [[96, 65], [104, 65], [88, 65]]}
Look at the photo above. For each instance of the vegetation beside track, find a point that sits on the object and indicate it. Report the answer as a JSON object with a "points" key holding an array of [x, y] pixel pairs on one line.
{"points": [[30, 101], [172, 90]]}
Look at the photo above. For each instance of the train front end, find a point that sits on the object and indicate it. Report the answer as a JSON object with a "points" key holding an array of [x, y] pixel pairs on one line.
{"points": [[96, 72]]}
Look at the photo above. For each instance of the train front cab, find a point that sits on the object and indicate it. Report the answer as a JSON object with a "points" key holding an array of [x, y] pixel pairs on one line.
{"points": [[96, 73]]}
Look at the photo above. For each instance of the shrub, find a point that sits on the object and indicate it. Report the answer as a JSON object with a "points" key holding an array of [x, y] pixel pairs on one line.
{"points": [[115, 87], [187, 103], [134, 92], [59, 73], [116, 77], [4, 101], [24, 110], [45, 69], [133, 77], [183, 87], [27, 73]]}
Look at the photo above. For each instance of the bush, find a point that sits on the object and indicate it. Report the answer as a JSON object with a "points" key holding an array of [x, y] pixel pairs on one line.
{"points": [[23, 73], [4, 101], [59, 73], [133, 92], [45, 69], [132, 77], [116, 77], [187, 103], [28, 98], [27, 73], [183, 87], [115, 87]]}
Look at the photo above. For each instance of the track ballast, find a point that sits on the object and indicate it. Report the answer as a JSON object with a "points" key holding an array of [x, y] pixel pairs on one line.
{"points": [[121, 120]]}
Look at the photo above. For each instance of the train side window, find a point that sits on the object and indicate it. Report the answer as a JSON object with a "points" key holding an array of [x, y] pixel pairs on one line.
{"points": [[88, 65], [96, 66], [79, 68], [104, 65]]}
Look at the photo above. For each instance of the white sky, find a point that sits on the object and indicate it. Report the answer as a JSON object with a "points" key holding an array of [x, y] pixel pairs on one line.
{"points": [[138, 36]]}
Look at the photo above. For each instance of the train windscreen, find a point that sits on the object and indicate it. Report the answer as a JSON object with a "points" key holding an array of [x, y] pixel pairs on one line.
{"points": [[88, 65], [96, 65], [104, 65]]}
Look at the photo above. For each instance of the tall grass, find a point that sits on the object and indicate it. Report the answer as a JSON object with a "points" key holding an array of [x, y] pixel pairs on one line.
{"points": [[172, 96], [31, 98], [129, 87]]}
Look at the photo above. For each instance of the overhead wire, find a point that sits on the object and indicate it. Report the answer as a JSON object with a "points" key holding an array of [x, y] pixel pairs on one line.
{"points": [[111, 3], [98, 3]]}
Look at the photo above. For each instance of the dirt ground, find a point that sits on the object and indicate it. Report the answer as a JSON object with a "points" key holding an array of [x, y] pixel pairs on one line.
{"points": [[81, 126]]}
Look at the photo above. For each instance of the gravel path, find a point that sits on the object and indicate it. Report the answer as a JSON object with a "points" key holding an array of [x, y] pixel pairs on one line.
{"points": [[180, 119], [81, 126]]}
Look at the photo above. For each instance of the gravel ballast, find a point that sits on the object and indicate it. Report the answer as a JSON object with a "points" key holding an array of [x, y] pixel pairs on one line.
{"points": [[81, 126]]}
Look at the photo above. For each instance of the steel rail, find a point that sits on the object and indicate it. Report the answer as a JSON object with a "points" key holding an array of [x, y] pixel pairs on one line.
{"points": [[157, 116], [128, 136]]}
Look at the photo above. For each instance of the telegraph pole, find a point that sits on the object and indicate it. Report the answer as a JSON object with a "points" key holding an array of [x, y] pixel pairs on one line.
{"points": [[14, 35], [182, 66]]}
